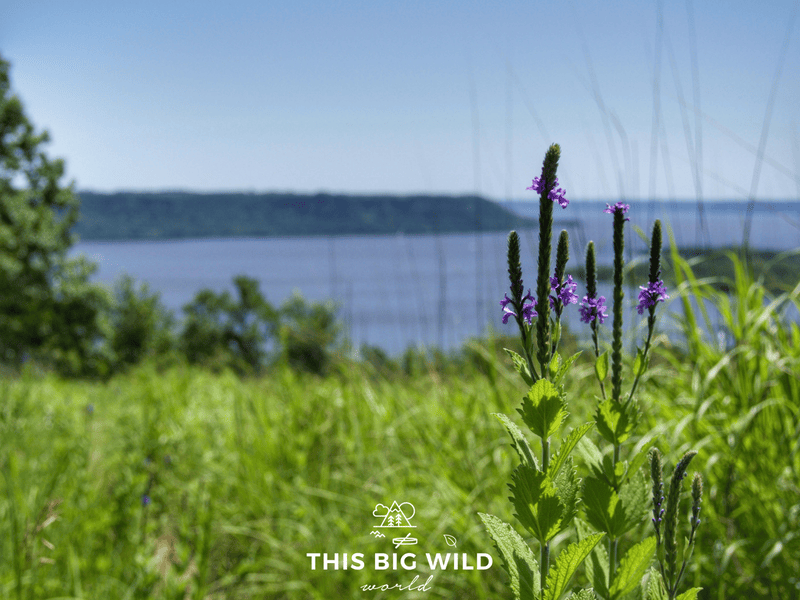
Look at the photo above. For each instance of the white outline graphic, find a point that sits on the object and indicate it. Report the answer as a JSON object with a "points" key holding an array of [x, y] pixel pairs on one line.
{"points": [[394, 516], [404, 541]]}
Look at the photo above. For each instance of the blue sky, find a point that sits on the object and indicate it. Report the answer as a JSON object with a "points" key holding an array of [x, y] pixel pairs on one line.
{"points": [[379, 96]]}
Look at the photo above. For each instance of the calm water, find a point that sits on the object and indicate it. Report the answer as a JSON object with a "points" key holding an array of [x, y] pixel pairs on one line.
{"points": [[400, 291]]}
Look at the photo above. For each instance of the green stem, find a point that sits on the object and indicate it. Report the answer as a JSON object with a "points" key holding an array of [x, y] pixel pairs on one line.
{"points": [[525, 348], [651, 321], [613, 542], [616, 341], [597, 355], [545, 555]]}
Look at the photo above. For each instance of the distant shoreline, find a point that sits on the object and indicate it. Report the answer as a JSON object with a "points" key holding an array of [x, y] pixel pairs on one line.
{"points": [[182, 215]]}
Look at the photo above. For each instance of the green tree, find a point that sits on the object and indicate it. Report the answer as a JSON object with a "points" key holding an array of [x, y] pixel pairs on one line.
{"points": [[141, 326], [220, 330], [48, 309]]}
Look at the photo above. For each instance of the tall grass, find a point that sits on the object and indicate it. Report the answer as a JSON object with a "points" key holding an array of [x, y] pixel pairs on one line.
{"points": [[186, 484], [735, 388]]}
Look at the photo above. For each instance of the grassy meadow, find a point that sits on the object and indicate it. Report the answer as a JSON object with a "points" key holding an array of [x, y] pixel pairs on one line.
{"points": [[179, 482]]}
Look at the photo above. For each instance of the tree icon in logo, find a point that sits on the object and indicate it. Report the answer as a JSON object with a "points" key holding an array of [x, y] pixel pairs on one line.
{"points": [[397, 515]]}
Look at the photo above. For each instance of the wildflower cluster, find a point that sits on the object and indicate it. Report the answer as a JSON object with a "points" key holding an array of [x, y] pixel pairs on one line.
{"points": [[545, 492], [593, 309], [555, 194], [651, 293], [528, 310], [563, 292]]}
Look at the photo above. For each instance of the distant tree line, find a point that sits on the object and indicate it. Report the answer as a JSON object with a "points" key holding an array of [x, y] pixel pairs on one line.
{"points": [[51, 314], [160, 215]]}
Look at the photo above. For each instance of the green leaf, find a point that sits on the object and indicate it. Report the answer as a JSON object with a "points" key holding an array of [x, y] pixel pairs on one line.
{"points": [[566, 564], [517, 558], [591, 455], [583, 595], [567, 444], [558, 376], [518, 441], [543, 409], [632, 568], [601, 366], [596, 564], [597, 569], [637, 462], [615, 420], [689, 594], [639, 363], [635, 499], [567, 486], [612, 512], [600, 501], [655, 586], [521, 365], [536, 500]]}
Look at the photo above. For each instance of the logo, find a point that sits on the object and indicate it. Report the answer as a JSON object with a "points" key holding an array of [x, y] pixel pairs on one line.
{"points": [[392, 518]]}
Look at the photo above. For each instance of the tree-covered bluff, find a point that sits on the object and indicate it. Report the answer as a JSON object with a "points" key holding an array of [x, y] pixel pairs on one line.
{"points": [[175, 215]]}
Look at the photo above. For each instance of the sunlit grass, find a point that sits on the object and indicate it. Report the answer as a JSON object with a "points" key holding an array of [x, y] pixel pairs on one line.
{"points": [[244, 477]]}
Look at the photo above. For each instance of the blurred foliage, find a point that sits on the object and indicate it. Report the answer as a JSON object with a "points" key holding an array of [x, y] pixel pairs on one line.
{"points": [[50, 311], [220, 331], [141, 326], [776, 271], [731, 383], [309, 334]]}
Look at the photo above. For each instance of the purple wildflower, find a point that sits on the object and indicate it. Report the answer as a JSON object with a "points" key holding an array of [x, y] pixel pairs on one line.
{"points": [[564, 292], [593, 309], [145, 500], [651, 293], [528, 310], [619, 206], [556, 195]]}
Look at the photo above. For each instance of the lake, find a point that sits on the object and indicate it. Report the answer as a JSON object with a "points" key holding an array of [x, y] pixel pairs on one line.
{"points": [[403, 290]]}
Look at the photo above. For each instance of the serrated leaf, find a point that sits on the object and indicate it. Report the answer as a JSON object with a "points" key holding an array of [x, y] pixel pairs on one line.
{"points": [[655, 587], [689, 594], [536, 501], [612, 512], [521, 365], [543, 409], [601, 366], [567, 444], [634, 497], [567, 486], [596, 564], [566, 564], [632, 568], [517, 558], [600, 502], [615, 420], [591, 455], [558, 376], [583, 595], [518, 441]]}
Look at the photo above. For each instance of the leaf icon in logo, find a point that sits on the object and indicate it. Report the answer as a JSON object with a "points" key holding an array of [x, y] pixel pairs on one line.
{"points": [[450, 540]]}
